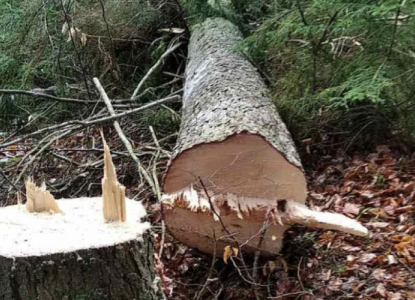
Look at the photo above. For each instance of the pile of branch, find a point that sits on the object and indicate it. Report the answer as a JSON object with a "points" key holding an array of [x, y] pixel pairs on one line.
{"points": [[100, 111]]}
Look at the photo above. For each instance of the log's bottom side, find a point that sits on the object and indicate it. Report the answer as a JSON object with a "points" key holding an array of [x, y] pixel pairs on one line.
{"points": [[206, 234], [124, 272]]}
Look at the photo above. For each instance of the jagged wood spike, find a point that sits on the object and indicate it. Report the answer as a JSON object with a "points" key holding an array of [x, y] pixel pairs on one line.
{"points": [[113, 192], [298, 213], [39, 199]]}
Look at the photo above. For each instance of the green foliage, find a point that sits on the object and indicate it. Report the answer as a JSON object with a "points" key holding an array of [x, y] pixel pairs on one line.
{"points": [[198, 10], [339, 268], [163, 120], [26, 60], [37, 52], [239, 12], [339, 68], [361, 87]]}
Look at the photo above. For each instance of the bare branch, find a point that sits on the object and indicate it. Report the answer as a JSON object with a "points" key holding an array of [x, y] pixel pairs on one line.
{"points": [[39, 152], [46, 96], [90, 122], [123, 138], [153, 68], [395, 26], [303, 19], [11, 183]]}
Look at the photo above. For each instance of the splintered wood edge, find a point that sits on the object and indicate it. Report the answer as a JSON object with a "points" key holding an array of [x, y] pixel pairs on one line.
{"points": [[282, 212], [39, 199], [113, 192]]}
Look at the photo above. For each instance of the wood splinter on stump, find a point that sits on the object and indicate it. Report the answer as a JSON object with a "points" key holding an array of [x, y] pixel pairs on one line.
{"points": [[39, 199], [234, 159], [79, 254], [113, 192]]}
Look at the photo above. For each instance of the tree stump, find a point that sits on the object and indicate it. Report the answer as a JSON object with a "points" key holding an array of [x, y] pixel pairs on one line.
{"points": [[75, 254]]}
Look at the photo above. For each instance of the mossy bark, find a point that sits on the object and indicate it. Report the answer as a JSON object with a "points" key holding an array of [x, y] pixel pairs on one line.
{"points": [[124, 271]]}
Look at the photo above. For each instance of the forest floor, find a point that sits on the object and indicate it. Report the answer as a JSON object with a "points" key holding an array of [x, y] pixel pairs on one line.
{"points": [[377, 189]]}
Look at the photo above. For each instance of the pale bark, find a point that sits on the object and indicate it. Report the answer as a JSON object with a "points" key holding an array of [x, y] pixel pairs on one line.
{"points": [[227, 112], [225, 95]]}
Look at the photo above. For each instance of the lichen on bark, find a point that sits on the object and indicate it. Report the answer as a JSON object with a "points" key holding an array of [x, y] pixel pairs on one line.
{"points": [[225, 95]]}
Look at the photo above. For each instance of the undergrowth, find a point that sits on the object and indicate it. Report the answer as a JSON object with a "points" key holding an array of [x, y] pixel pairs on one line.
{"points": [[341, 71], [116, 41]]}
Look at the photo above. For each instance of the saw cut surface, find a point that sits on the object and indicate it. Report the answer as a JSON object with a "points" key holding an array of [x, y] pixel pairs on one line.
{"points": [[81, 226], [245, 165]]}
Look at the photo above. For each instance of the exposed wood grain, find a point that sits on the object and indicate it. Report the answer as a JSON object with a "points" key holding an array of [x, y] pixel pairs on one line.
{"points": [[113, 192], [39, 199]]}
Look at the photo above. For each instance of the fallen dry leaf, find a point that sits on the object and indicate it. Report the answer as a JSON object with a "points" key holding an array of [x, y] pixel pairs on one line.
{"points": [[352, 248], [392, 260], [377, 224], [366, 257], [394, 296], [229, 251], [380, 275], [352, 208], [380, 288]]}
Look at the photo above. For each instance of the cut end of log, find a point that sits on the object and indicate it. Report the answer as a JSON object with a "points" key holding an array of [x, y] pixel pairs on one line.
{"points": [[198, 220], [245, 165], [39, 199], [113, 192], [24, 234]]}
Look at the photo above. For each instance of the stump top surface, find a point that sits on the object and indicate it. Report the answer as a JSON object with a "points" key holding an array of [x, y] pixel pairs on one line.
{"points": [[82, 226]]}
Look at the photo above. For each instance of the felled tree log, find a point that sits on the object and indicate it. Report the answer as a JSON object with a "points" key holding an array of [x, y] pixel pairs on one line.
{"points": [[235, 164]]}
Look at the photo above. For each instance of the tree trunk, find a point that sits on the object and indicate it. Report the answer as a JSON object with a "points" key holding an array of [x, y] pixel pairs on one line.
{"points": [[75, 255], [228, 119], [124, 271], [235, 169]]}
